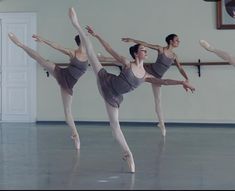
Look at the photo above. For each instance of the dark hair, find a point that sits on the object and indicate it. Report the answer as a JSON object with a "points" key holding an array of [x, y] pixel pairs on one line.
{"points": [[134, 49], [77, 40], [169, 38]]}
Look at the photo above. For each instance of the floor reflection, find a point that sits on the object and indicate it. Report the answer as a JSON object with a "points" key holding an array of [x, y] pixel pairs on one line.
{"points": [[44, 157]]}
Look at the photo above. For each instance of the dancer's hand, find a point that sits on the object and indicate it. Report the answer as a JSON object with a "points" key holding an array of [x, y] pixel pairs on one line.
{"points": [[187, 86], [126, 39], [91, 31], [37, 38]]}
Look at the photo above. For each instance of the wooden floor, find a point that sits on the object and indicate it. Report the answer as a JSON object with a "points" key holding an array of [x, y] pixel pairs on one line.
{"points": [[42, 156]]}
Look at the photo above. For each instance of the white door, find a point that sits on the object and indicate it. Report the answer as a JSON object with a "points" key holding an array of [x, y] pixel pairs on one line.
{"points": [[18, 70]]}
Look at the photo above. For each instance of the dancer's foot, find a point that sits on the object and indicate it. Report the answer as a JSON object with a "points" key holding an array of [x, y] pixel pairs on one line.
{"points": [[206, 45], [14, 39], [130, 161], [163, 129], [73, 17], [76, 141]]}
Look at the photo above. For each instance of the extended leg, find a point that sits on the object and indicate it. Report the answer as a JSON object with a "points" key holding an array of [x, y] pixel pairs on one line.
{"points": [[49, 66], [220, 53], [158, 108], [118, 135], [67, 103], [92, 57], [225, 56]]}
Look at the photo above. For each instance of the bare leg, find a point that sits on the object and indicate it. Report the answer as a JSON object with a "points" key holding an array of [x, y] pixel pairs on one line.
{"points": [[67, 103], [49, 66], [225, 56], [220, 53], [158, 108], [92, 57], [118, 135]]}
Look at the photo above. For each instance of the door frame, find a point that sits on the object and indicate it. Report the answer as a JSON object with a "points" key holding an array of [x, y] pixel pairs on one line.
{"points": [[31, 20]]}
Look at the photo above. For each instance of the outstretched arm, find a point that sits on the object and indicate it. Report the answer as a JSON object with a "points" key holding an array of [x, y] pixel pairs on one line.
{"points": [[107, 60], [54, 45], [151, 79], [108, 48], [151, 46]]}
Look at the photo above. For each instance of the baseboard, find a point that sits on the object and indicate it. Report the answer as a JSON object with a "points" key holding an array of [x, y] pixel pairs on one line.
{"points": [[168, 124]]}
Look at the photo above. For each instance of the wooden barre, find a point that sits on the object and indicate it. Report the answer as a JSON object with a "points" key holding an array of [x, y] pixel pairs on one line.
{"points": [[182, 63], [197, 64]]}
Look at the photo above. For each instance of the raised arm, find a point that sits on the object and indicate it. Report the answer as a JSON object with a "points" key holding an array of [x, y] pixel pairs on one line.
{"points": [[108, 48], [108, 60], [151, 46], [167, 82], [54, 45]]}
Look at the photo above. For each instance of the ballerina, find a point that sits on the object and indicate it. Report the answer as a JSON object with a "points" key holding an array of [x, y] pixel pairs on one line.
{"points": [[112, 87], [166, 57]]}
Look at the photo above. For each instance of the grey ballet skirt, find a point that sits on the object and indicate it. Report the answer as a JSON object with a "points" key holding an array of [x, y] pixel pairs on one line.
{"points": [[68, 77], [109, 94]]}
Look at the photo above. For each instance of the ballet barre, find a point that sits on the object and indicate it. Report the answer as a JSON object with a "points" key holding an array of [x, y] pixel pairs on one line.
{"points": [[197, 64]]}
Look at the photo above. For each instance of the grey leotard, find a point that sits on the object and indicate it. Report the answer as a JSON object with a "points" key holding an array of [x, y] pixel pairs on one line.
{"points": [[68, 77], [161, 65], [113, 86]]}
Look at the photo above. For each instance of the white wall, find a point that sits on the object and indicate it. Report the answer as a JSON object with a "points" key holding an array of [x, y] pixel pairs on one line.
{"points": [[149, 20]]}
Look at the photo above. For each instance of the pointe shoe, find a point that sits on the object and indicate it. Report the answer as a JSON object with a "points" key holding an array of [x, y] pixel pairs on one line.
{"points": [[130, 162], [76, 141], [14, 39], [73, 16], [163, 129], [12, 36], [206, 45]]}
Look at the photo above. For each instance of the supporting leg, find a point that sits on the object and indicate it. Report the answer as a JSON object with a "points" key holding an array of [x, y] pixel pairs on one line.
{"points": [[118, 135], [67, 103], [158, 108]]}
